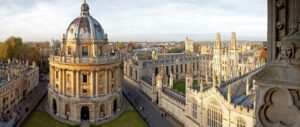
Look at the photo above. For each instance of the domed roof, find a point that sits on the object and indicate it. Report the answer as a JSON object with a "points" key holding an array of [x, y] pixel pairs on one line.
{"points": [[85, 27]]}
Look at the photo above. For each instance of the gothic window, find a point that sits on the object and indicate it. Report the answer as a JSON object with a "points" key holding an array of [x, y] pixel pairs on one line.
{"points": [[194, 108], [215, 116], [181, 68], [84, 78], [240, 123], [85, 51], [193, 66], [112, 74]]}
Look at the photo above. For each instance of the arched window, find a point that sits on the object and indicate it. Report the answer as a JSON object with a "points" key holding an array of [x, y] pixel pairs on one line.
{"points": [[240, 122], [194, 109], [214, 116]]}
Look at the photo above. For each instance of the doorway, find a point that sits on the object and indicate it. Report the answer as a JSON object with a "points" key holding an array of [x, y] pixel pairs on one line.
{"points": [[85, 113]]}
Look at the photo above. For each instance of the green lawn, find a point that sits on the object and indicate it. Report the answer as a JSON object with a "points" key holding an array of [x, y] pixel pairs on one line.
{"points": [[42, 119], [180, 85], [126, 119]]}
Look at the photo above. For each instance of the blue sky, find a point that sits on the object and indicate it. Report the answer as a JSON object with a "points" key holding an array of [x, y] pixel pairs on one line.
{"points": [[137, 20]]}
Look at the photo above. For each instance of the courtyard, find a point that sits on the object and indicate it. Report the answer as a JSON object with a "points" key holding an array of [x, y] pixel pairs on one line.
{"points": [[179, 86]]}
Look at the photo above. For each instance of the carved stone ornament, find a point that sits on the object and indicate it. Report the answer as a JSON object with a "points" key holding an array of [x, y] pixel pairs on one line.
{"points": [[279, 25], [280, 4], [276, 100], [289, 49]]}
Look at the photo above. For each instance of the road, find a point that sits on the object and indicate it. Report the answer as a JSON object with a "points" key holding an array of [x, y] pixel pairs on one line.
{"points": [[30, 102], [151, 112]]}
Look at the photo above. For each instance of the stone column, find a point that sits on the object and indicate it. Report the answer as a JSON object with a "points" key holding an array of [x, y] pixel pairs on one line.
{"points": [[74, 83], [61, 81], [108, 81], [77, 84], [97, 83], [92, 84], [64, 81], [278, 89], [52, 77]]}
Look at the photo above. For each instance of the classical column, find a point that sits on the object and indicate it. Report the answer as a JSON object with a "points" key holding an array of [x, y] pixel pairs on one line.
{"points": [[61, 80], [107, 81], [77, 83], [52, 77], [64, 81], [92, 84], [74, 85], [97, 83]]}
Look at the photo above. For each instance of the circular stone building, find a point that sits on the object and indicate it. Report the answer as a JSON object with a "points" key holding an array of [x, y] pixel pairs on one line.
{"points": [[84, 74]]}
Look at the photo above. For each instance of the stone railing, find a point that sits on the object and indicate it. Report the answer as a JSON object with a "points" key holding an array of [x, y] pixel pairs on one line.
{"points": [[86, 60]]}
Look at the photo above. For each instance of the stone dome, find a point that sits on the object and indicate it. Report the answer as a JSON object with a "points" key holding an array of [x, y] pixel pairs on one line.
{"points": [[85, 27]]}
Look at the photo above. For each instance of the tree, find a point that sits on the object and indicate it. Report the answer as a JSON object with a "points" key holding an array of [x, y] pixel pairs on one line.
{"points": [[32, 52], [11, 48]]}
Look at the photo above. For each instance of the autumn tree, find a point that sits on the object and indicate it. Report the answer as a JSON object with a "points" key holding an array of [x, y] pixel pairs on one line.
{"points": [[32, 52], [12, 48]]}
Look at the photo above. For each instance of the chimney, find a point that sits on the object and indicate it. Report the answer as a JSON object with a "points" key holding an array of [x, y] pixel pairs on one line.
{"points": [[247, 87], [229, 93], [214, 79], [171, 80], [33, 64], [201, 86]]}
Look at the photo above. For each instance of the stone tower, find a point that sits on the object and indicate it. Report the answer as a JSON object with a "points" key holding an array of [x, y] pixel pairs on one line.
{"points": [[218, 52], [232, 57], [278, 84], [189, 46]]}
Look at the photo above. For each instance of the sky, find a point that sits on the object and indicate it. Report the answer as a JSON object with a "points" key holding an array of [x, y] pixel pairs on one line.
{"points": [[138, 20]]}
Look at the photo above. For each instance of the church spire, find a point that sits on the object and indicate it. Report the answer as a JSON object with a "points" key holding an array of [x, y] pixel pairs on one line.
{"points": [[233, 41], [218, 43]]}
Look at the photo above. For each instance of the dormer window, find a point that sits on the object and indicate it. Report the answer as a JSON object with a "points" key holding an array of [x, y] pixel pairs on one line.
{"points": [[85, 51]]}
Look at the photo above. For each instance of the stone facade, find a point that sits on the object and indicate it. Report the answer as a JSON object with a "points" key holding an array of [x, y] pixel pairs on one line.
{"points": [[17, 79], [278, 83], [85, 76]]}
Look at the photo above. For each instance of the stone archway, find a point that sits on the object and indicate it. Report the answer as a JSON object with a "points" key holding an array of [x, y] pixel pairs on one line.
{"points": [[67, 111], [115, 105], [85, 113], [102, 110], [54, 106]]}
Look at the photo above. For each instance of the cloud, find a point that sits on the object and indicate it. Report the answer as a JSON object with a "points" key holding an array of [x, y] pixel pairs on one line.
{"points": [[141, 20]]}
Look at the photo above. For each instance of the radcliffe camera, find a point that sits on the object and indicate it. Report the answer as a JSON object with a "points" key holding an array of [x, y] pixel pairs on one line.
{"points": [[158, 63]]}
